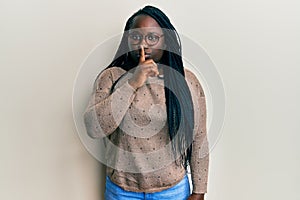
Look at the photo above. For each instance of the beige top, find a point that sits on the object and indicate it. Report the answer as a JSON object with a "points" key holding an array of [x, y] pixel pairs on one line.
{"points": [[138, 151]]}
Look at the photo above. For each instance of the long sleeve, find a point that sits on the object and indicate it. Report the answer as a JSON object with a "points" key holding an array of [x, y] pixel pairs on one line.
{"points": [[107, 108], [200, 149]]}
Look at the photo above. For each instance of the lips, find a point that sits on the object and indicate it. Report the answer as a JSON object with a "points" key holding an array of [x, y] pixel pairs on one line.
{"points": [[147, 55]]}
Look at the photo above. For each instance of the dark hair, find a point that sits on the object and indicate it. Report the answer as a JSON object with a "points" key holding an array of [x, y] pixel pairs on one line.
{"points": [[179, 103]]}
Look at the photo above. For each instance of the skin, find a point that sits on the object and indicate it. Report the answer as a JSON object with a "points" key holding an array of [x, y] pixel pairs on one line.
{"points": [[196, 197], [144, 24], [148, 57]]}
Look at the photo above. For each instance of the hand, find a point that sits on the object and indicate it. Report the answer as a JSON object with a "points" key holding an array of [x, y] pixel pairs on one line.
{"points": [[196, 197], [144, 69]]}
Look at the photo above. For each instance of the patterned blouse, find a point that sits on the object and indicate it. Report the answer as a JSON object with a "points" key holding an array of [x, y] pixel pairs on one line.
{"points": [[133, 125]]}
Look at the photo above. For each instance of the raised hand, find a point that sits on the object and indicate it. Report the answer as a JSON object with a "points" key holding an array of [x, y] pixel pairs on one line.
{"points": [[144, 69]]}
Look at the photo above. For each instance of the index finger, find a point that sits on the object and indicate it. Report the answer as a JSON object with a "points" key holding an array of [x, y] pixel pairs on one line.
{"points": [[142, 54]]}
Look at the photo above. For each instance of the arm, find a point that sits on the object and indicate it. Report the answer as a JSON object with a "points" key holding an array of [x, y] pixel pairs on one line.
{"points": [[106, 109], [194, 196], [200, 149]]}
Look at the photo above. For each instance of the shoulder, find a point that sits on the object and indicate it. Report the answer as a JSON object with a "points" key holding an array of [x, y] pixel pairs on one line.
{"points": [[108, 76], [189, 75], [193, 82], [112, 73]]}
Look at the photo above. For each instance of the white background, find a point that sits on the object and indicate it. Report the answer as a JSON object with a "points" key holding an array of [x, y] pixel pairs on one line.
{"points": [[254, 44]]}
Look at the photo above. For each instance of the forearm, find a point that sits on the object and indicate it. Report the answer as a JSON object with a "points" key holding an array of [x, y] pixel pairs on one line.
{"points": [[199, 174], [103, 117]]}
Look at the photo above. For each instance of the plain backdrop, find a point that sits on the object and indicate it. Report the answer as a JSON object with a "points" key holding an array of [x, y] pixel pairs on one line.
{"points": [[254, 44]]}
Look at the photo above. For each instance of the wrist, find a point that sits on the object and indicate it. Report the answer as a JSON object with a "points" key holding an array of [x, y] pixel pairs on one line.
{"points": [[197, 196], [132, 84], [200, 194]]}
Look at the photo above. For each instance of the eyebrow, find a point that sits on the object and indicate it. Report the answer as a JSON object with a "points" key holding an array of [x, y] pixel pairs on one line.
{"points": [[147, 33]]}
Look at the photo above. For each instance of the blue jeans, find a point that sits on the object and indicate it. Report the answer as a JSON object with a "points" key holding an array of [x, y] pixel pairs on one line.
{"points": [[180, 191]]}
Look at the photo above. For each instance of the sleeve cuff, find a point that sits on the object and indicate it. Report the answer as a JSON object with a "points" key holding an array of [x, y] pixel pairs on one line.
{"points": [[200, 189]]}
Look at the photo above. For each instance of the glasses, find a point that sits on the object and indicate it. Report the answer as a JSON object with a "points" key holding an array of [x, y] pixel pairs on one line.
{"points": [[151, 38]]}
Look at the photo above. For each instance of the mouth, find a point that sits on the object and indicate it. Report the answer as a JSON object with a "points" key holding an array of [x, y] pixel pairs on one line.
{"points": [[147, 56]]}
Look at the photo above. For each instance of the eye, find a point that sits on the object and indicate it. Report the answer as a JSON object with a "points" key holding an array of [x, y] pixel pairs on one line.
{"points": [[135, 37], [152, 37]]}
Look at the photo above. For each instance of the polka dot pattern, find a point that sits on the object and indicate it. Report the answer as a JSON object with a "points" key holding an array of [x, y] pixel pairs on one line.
{"points": [[112, 110]]}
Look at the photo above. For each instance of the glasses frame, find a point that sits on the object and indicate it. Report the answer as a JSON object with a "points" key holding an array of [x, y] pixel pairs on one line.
{"points": [[144, 37]]}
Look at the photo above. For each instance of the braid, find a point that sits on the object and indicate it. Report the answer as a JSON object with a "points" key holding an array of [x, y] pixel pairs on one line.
{"points": [[180, 113]]}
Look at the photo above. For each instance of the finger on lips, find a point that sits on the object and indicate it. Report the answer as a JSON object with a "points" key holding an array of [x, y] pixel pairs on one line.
{"points": [[142, 54], [151, 65]]}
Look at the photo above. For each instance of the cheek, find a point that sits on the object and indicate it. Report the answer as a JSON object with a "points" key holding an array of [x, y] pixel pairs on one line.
{"points": [[132, 47], [157, 52]]}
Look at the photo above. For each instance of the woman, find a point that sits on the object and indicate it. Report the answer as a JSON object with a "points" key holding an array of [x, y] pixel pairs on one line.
{"points": [[152, 114]]}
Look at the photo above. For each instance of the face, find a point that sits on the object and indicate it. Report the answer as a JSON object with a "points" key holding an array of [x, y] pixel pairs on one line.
{"points": [[146, 31]]}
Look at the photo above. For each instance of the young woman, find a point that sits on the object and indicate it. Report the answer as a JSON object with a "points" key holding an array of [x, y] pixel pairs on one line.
{"points": [[151, 112]]}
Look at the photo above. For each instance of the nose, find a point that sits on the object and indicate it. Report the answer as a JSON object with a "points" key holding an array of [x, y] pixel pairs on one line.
{"points": [[144, 43]]}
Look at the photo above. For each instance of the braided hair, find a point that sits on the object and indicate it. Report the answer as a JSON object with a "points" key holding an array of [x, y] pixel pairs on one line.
{"points": [[180, 112]]}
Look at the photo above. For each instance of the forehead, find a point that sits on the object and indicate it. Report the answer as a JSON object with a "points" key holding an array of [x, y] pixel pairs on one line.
{"points": [[145, 23]]}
